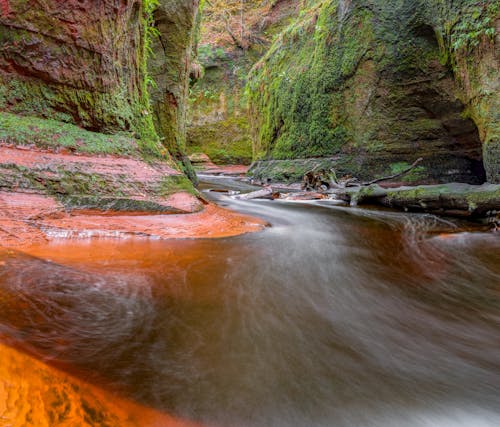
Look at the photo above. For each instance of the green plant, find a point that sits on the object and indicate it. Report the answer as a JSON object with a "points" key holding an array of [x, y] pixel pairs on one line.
{"points": [[473, 26], [207, 53], [150, 143]]}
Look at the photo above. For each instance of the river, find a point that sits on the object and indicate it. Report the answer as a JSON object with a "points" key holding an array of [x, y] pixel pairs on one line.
{"points": [[332, 316]]}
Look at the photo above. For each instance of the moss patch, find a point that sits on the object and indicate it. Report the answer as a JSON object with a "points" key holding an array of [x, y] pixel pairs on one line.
{"points": [[52, 134], [175, 184], [115, 204], [225, 142]]}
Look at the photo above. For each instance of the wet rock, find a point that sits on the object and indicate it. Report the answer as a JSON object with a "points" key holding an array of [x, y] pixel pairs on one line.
{"points": [[199, 158], [170, 67]]}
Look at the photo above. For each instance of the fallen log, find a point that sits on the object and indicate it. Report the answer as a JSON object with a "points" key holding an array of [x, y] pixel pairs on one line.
{"points": [[265, 193], [452, 199], [337, 184], [309, 195]]}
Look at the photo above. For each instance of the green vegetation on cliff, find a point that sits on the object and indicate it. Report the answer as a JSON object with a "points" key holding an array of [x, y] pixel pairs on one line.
{"points": [[89, 71], [234, 35], [51, 134], [89, 83], [83, 80], [378, 84], [176, 28]]}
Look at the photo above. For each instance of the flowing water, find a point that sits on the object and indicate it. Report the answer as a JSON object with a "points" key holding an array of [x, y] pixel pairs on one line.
{"points": [[332, 316]]}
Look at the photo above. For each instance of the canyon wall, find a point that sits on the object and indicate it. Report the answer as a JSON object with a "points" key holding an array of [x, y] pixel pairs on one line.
{"points": [[80, 62], [371, 85], [75, 87], [85, 63], [233, 37], [170, 67]]}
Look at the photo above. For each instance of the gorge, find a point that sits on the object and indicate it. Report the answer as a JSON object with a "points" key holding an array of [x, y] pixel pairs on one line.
{"points": [[138, 287]]}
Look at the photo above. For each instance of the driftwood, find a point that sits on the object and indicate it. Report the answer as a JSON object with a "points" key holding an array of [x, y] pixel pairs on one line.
{"points": [[316, 185], [265, 193], [309, 195], [323, 181], [397, 175], [315, 181]]}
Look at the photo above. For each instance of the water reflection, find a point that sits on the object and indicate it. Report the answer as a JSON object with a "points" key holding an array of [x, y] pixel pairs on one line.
{"points": [[332, 317]]}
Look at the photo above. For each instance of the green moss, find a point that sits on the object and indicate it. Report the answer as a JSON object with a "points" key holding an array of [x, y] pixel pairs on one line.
{"points": [[476, 22], [110, 97], [479, 197], [290, 171], [296, 85], [367, 80], [144, 111], [225, 141], [174, 184], [477, 200], [417, 193], [416, 174], [115, 204], [52, 134], [77, 188]]}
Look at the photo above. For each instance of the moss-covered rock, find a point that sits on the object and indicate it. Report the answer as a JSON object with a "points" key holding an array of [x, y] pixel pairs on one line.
{"points": [[86, 64], [105, 183], [77, 62], [176, 22], [226, 141], [381, 83], [218, 123], [293, 170], [54, 135], [117, 204], [74, 78]]}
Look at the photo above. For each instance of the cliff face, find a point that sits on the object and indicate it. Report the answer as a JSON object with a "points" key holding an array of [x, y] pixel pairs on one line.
{"points": [[84, 62], [74, 79], [170, 67], [376, 84], [75, 61], [228, 48]]}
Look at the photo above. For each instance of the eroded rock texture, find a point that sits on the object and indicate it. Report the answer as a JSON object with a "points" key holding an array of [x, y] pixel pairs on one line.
{"points": [[170, 67], [77, 61], [377, 84]]}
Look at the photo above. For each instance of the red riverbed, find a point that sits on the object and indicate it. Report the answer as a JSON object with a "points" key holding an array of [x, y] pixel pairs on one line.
{"points": [[27, 219]]}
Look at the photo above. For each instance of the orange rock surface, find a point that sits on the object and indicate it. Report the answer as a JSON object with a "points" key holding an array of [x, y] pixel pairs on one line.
{"points": [[29, 215], [134, 168], [33, 394], [27, 219]]}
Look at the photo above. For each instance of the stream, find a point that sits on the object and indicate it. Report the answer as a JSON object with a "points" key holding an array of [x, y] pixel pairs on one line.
{"points": [[332, 316]]}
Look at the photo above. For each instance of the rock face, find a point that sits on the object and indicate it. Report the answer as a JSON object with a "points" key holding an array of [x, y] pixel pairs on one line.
{"points": [[377, 83], [170, 67], [75, 61], [74, 87], [84, 62], [217, 121]]}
